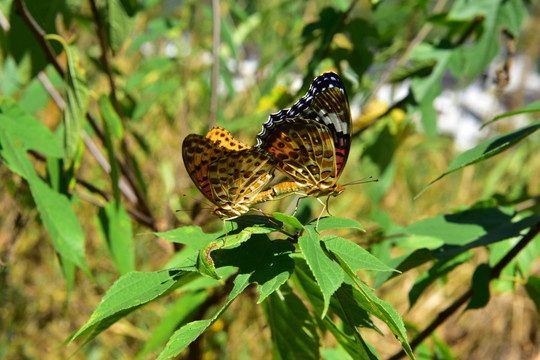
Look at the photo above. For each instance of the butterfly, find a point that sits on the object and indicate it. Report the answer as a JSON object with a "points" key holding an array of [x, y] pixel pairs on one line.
{"points": [[228, 172], [312, 139]]}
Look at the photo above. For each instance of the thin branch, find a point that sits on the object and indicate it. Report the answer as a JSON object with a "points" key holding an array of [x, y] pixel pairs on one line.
{"points": [[216, 41], [494, 274], [104, 54], [22, 11]]}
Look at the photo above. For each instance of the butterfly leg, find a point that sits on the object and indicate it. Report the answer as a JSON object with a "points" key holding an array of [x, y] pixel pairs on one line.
{"points": [[296, 206], [319, 218], [327, 207]]}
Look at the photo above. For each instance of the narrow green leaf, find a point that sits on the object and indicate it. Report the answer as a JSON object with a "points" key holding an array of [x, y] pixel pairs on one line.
{"points": [[189, 235], [353, 255], [116, 227], [403, 264], [530, 108], [190, 332], [294, 334], [176, 315], [533, 289], [60, 221], [486, 150], [119, 23], [334, 223], [287, 219], [128, 293], [77, 96], [15, 122], [108, 115], [440, 269], [480, 284], [328, 274], [386, 313]]}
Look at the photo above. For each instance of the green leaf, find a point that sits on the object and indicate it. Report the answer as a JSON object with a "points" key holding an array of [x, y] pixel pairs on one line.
{"points": [[77, 96], [176, 315], [60, 221], [533, 289], [109, 122], [440, 269], [119, 23], [15, 122], [386, 313], [287, 219], [486, 150], [403, 264], [530, 108], [328, 274], [116, 227], [480, 285], [353, 255], [190, 332], [189, 235], [294, 334], [334, 223], [128, 293], [268, 262]]}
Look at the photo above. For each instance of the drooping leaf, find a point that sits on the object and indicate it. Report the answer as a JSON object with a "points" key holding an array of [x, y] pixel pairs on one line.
{"points": [[77, 96], [533, 289], [191, 331], [116, 227], [176, 315], [119, 23], [294, 334], [328, 274], [128, 293], [487, 150], [480, 285]]}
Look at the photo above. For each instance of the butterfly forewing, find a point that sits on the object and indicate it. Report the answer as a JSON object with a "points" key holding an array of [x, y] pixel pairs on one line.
{"points": [[230, 178], [223, 137], [325, 102]]}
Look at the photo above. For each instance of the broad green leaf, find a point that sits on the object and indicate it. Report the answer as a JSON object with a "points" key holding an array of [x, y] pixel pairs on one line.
{"points": [[440, 269], [334, 223], [268, 262], [128, 293], [60, 221], [495, 15], [287, 219], [191, 331], [353, 255], [504, 231], [116, 227], [77, 96], [403, 264], [533, 289], [14, 155], [119, 23], [355, 348], [294, 334], [205, 263], [530, 108], [486, 150], [177, 314], [480, 285], [189, 235], [15, 122], [109, 120], [386, 313], [328, 274]]}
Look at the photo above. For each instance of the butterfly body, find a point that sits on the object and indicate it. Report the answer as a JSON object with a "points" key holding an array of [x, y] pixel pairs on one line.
{"points": [[229, 173]]}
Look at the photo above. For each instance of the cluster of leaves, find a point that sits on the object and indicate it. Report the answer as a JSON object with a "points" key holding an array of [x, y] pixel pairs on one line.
{"points": [[308, 285]]}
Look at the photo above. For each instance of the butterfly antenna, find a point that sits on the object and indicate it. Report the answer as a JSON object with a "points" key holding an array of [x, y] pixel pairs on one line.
{"points": [[207, 205], [365, 180]]}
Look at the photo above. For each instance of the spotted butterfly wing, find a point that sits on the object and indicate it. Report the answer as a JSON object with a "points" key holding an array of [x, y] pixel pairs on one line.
{"points": [[231, 179], [311, 140]]}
